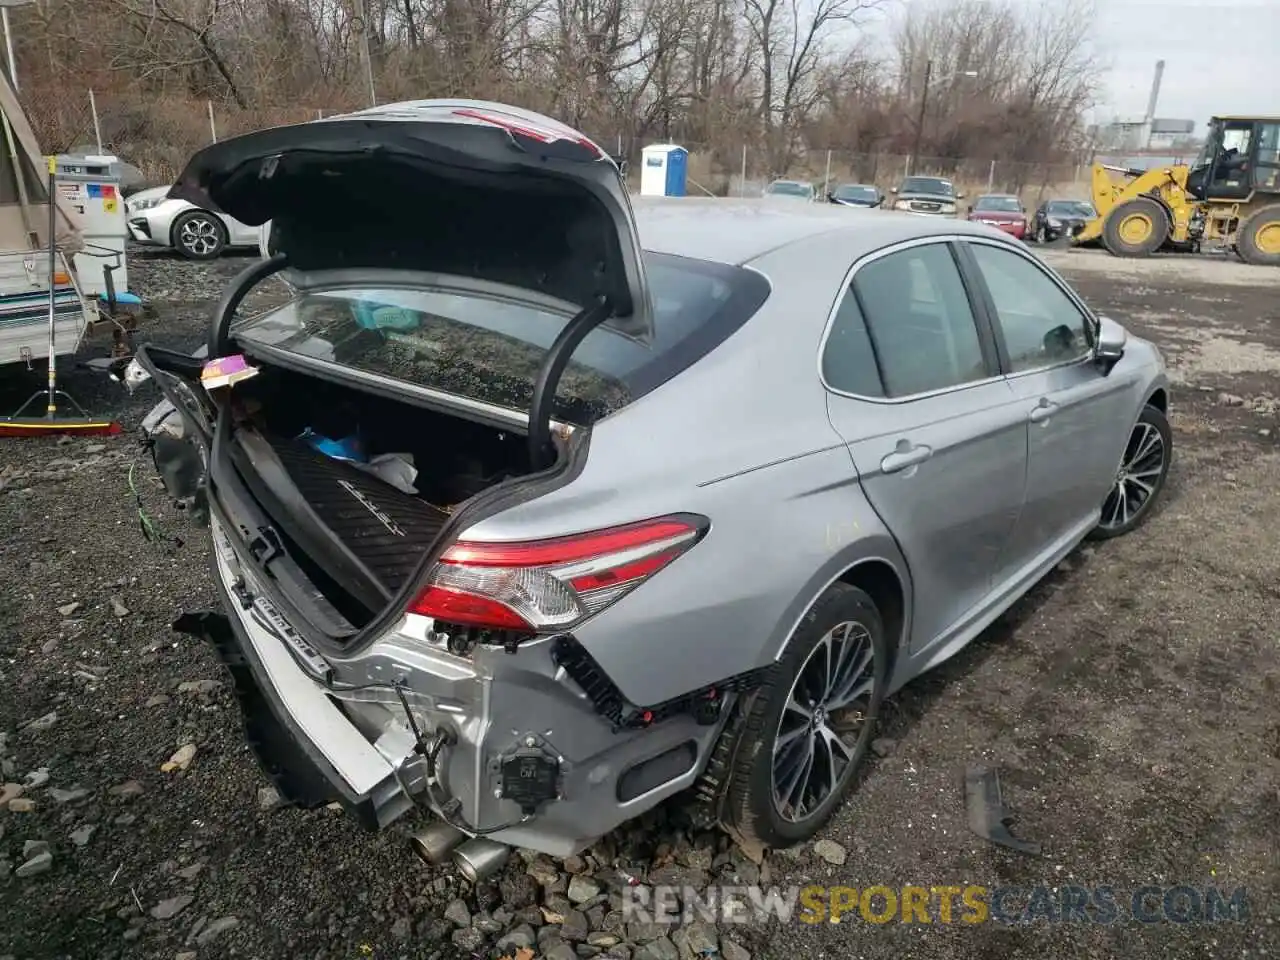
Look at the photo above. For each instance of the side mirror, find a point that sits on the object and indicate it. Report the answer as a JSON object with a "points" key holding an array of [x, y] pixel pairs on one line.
{"points": [[1109, 347], [893, 189], [959, 196]]}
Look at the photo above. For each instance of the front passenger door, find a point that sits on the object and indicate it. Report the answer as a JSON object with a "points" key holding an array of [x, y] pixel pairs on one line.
{"points": [[1077, 420], [938, 438]]}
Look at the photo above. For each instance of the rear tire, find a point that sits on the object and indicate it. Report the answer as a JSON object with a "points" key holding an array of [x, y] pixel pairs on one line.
{"points": [[199, 235], [1136, 228], [1140, 476], [1258, 238], [794, 761]]}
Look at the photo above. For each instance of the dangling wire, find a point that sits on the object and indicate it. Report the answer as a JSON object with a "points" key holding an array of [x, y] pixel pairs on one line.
{"points": [[150, 531]]}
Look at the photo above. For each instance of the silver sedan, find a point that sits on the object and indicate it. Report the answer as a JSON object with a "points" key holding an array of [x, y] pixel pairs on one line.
{"points": [[798, 458]]}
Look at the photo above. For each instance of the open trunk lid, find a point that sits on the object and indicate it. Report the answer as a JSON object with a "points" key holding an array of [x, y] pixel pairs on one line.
{"points": [[460, 188]]}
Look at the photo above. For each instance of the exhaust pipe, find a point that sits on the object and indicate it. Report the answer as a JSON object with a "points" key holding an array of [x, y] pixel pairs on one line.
{"points": [[434, 842], [479, 859]]}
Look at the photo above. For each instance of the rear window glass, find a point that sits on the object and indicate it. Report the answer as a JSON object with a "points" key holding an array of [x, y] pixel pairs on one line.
{"points": [[491, 349], [999, 204], [930, 185], [1071, 208]]}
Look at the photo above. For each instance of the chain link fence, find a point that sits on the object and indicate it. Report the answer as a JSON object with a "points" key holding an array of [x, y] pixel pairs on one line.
{"points": [[745, 173]]}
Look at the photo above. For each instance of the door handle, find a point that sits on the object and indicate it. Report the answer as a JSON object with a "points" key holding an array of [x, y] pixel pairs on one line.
{"points": [[1043, 412], [904, 457]]}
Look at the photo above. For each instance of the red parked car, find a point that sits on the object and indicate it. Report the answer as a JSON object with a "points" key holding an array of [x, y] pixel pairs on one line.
{"points": [[1001, 210]]}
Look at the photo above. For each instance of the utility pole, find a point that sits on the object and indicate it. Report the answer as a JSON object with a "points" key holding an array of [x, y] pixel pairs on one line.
{"points": [[924, 103], [360, 24], [914, 159]]}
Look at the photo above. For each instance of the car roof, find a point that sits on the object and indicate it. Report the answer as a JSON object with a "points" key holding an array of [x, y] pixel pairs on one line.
{"points": [[865, 186], [998, 196], [738, 231]]}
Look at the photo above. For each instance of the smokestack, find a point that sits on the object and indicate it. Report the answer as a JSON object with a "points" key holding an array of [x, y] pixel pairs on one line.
{"points": [[1155, 92]]}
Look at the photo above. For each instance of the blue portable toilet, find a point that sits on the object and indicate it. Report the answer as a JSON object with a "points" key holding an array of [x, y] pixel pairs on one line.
{"points": [[665, 170]]}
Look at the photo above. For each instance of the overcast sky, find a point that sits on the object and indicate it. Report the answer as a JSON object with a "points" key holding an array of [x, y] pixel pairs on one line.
{"points": [[1221, 56]]}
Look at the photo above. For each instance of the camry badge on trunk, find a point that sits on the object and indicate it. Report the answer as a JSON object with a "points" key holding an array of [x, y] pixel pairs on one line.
{"points": [[372, 507]]}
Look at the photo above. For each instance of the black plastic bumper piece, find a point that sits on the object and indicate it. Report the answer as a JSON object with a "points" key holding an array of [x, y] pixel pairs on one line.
{"points": [[300, 773], [703, 704]]}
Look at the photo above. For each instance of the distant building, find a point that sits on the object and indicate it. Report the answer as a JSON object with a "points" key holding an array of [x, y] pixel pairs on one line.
{"points": [[1138, 136]]}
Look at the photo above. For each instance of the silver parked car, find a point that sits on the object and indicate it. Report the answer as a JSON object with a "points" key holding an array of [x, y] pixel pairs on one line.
{"points": [[790, 190], [154, 219], [527, 530]]}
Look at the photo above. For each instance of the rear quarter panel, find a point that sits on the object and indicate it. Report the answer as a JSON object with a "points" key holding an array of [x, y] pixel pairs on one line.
{"points": [[743, 438]]}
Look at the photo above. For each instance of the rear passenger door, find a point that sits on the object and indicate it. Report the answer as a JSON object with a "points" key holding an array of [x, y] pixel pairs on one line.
{"points": [[937, 435], [1077, 420]]}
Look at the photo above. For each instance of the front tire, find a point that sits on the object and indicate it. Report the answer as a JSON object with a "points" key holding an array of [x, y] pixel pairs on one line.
{"points": [[199, 235], [1140, 479], [1258, 238], [807, 731], [1137, 228]]}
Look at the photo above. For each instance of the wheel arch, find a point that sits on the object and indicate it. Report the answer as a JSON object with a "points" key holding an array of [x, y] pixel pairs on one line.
{"points": [[1155, 194], [1159, 398], [883, 575], [883, 583]]}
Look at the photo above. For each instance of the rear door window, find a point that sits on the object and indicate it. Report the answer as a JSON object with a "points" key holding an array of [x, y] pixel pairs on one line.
{"points": [[491, 349]]}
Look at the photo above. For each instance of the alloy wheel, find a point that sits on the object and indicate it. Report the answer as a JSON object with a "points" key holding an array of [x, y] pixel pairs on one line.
{"points": [[1140, 469], [200, 236], [818, 731]]}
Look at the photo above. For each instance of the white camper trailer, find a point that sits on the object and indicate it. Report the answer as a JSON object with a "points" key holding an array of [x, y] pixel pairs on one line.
{"points": [[24, 249]]}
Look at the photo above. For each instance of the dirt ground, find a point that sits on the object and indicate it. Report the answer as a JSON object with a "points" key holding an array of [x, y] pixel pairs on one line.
{"points": [[1132, 701]]}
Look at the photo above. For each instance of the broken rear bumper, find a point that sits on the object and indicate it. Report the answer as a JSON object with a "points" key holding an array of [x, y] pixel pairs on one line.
{"points": [[302, 740]]}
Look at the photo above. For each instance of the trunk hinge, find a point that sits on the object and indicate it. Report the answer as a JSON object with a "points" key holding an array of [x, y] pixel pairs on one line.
{"points": [[553, 367]]}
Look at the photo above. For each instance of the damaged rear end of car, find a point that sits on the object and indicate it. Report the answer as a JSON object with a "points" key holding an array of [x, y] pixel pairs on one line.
{"points": [[413, 386]]}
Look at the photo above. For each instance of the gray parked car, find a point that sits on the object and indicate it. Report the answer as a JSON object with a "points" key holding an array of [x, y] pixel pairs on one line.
{"points": [[529, 530], [790, 190]]}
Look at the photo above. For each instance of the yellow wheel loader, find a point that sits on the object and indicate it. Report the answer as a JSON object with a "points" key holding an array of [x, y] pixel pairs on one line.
{"points": [[1228, 199]]}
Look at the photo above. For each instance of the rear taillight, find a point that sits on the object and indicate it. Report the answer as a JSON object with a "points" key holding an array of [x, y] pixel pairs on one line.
{"points": [[546, 585]]}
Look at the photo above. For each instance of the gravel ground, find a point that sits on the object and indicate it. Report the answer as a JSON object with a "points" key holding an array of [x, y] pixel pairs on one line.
{"points": [[1130, 699]]}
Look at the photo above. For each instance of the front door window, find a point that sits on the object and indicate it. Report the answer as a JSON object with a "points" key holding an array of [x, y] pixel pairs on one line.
{"points": [[1233, 171]]}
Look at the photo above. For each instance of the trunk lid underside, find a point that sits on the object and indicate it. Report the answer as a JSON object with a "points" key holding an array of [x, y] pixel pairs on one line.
{"points": [[459, 188]]}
